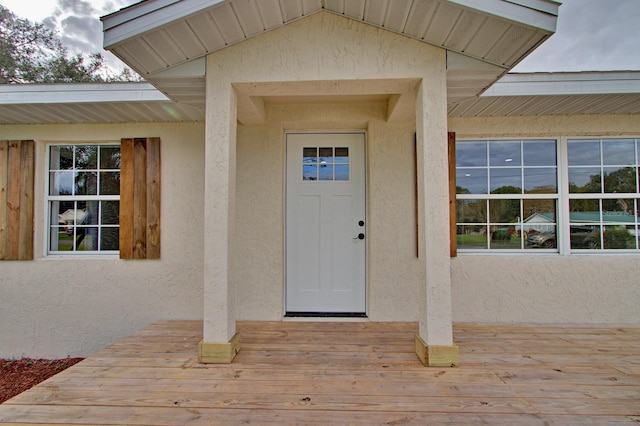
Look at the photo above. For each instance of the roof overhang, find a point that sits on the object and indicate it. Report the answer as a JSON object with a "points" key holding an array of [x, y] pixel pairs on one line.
{"points": [[90, 103], [166, 41], [571, 93]]}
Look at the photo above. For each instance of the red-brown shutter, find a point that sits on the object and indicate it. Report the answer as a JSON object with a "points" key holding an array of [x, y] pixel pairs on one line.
{"points": [[453, 233], [140, 198], [16, 200]]}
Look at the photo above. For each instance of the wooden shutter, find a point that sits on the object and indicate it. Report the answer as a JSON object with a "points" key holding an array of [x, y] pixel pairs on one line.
{"points": [[453, 242], [140, 198], [16, 200]]}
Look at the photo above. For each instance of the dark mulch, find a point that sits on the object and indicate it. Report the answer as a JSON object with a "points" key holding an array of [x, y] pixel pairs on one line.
{"points": [[19, 375]]}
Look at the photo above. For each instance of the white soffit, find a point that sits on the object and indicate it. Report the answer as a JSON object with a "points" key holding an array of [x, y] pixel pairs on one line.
{"points": [[90, 103], [571, 93], [155, 36]]}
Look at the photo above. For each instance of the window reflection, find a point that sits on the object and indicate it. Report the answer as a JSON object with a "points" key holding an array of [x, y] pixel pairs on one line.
{"points": [[325, 164]]}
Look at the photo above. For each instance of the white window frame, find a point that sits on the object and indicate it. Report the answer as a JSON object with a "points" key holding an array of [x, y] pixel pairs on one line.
{"points": [[49, 199], [521, 196], [563, 197]]}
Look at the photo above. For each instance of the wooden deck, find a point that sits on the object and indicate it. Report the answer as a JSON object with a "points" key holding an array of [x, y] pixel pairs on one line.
{"points": [[348, 373]]}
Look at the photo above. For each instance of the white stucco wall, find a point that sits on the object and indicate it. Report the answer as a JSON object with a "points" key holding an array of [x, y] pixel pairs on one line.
{"points": [[546, 288], [311, 58], [67, 306]]}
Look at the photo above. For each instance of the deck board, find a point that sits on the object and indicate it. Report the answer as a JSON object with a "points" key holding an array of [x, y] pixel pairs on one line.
{"points": [[348, 373]]}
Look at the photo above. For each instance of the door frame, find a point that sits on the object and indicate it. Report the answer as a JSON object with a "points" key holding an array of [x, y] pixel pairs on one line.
{"points": [[365, 194]]}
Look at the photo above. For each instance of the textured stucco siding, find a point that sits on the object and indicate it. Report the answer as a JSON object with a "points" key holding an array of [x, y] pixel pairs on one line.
{"points": [[524, 288], [395, 275], [62, 306]]}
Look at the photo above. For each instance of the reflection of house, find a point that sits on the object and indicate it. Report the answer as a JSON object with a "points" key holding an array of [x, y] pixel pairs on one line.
{"points": [[236, 93], [68, 217], [537, 222]]}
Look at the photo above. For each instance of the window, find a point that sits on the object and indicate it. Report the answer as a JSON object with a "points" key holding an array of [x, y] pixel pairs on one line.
{"points": [[325, 163], [83, 198], [603, 193], [508, 196], [507, 193]]}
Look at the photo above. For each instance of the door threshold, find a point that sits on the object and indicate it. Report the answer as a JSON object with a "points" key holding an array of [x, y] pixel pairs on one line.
{"points": [[325, 315]]}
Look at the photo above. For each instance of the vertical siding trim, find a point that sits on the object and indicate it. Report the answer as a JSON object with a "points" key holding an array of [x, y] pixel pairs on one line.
{"points": [[16, 200], [153, 198], [453, 233], [126, 199]]}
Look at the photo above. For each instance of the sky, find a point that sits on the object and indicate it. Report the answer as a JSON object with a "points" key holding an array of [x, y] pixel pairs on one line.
{"points": [[592, 35]]}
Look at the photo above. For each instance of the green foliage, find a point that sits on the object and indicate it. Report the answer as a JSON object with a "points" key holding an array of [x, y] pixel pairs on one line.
{"points": [[32, 53], [618, 238]]}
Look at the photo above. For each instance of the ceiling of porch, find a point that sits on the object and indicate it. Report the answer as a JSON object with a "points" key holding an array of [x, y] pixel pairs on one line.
{"points": [[166, 40]]}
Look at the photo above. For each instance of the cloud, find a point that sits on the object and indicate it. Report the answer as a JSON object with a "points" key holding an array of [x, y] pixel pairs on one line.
{"points": [[592, 35], [78, 25]]}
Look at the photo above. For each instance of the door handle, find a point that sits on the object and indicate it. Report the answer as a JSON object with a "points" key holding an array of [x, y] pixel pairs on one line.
{"points": [[359, 237]]}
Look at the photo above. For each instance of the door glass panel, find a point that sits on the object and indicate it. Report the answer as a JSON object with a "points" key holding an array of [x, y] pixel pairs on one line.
{"points": [[325, 163], [618, 152], [584, 153], [309, 172], [504, 154], [585, 179], [342, 155], [341, 172]]}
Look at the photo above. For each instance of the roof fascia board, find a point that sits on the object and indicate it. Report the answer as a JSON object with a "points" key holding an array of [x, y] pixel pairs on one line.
{"points": [[589, 83], [20, 94], [138, 21], [517, 11]]}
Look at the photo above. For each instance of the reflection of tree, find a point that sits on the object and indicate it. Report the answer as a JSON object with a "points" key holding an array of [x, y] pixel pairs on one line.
{"points": [[622, 180]]}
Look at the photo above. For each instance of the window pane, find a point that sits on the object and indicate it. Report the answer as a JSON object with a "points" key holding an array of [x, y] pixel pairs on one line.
{"points": [[471, 181], [539, 153], [109, 238], [584, 153], [620, 179], [540, 236], [86, 184], [342, 172], [109, 183], [504, 153], [504, 211], [585, 180], [585, 236], [109, 212], [325, 155], [86, 157], [471, 211], [60, 183], [110, 157], [472, 237], [619, 237], [505, 238], [539, 211], [309, 155], [505, 181], [471, 154], [540, 181], [61, 158], [342, 155], [326, 171], [309, 172], [86, 238], [60, 239], [584, 210], [618, 152]]}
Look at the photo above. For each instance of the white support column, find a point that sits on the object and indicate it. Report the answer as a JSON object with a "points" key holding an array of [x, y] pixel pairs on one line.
{"points": [[220, 343], [434, 345]]}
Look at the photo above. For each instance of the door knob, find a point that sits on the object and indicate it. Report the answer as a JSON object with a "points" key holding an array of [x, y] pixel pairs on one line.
{"points": [[359, 237]]}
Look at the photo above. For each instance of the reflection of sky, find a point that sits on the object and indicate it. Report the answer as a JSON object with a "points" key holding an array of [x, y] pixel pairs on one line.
{"points": [[505, 177], [539, 153], [504, 153], [619, 152], [583, 153], [539, 177], [63, 182], [471, 154]]}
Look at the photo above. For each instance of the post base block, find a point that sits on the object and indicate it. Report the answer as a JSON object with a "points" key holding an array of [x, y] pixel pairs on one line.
{"points": [[219, 353], [437, 356]]}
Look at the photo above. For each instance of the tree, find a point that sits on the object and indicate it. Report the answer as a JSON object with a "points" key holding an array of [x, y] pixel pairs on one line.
{"points": [[32, 53]]}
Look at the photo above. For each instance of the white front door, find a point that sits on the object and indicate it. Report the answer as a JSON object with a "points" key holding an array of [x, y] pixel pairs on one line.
{"points": [[326, 224]]}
